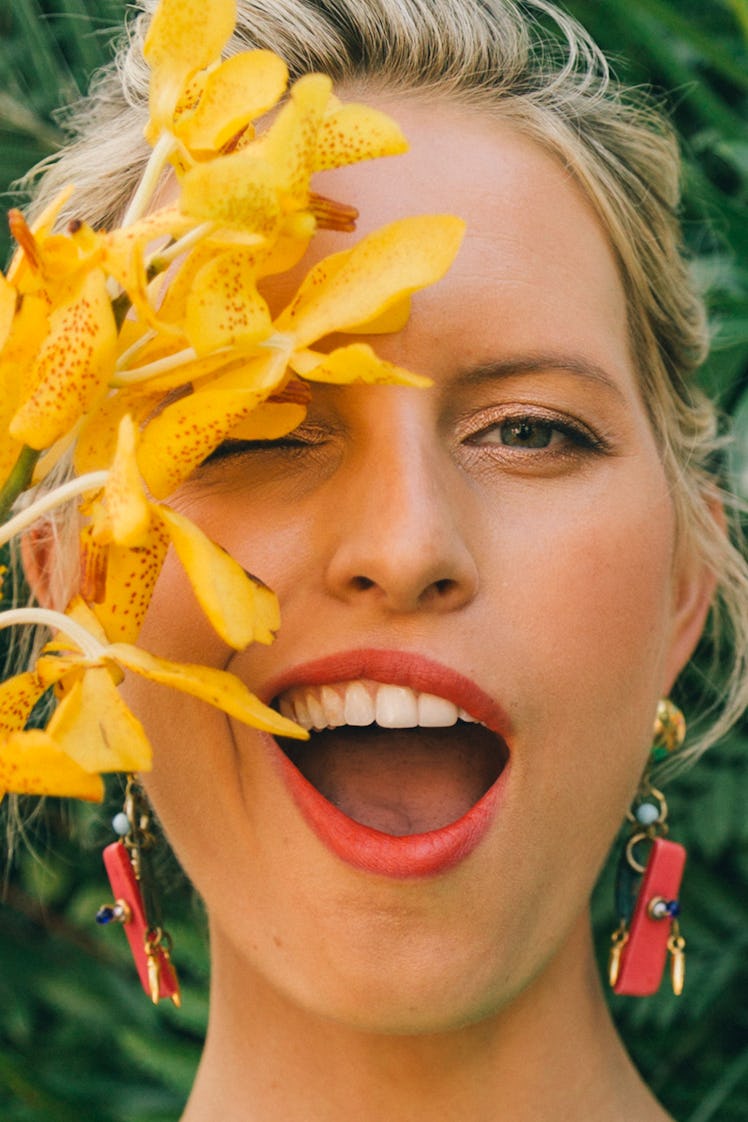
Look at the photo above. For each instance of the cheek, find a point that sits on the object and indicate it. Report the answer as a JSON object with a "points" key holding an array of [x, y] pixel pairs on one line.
{"points": [[588, 583], [593, 633]]}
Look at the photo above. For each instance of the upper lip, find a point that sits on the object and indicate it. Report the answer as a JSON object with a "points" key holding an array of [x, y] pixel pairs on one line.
{"points": [[396, 667]]}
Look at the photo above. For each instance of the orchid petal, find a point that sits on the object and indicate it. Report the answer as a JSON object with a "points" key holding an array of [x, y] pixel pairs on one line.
{"points": [[127, 508], [356, 362], [240, 611], [189, 33], [18, 696], [240, 190], [97, 441], [184, 36], [217, 687], [224, 308], [31, 763], [290, 142], [72, 366], [180, 438], [269, 421], [95, 728], [17, 357], [8, 299], [382, 268], [355, 132], [128, 577], [241, 89]]}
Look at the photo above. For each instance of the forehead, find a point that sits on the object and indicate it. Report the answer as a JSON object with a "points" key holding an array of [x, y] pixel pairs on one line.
{"points": [[535, 272]]}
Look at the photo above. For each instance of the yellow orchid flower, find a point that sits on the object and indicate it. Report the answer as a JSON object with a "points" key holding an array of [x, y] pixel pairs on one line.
{"points": [[31, 760], [144, 347], [348, 290], [236, 93], [217, 687], [184, 37], [30, 268], [264, 187], [129, 532], [43, 278], [343, 293], [92, 730]]}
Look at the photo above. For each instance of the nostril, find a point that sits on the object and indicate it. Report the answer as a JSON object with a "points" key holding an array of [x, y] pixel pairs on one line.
{"points": [[362, 583], [444, 586]]}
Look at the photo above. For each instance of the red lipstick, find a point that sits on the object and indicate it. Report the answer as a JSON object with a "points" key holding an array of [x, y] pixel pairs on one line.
{"points": [[414, 855]]}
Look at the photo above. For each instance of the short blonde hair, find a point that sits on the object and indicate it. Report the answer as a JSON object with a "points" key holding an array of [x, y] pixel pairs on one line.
{"points": [[534, 65]]}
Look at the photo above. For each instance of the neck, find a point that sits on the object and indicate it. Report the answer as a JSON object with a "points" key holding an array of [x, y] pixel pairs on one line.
{"points": [[550, 1055]]}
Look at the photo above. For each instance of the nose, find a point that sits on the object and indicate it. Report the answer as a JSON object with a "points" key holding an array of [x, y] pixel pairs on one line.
{"points": [[399, 532]]}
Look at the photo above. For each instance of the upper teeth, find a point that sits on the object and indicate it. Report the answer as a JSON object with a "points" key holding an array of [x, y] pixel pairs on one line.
{"points": [[366, 703]]}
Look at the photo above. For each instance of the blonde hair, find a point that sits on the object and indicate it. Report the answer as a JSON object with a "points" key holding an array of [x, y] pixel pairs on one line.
{"points": [[532, 64]]}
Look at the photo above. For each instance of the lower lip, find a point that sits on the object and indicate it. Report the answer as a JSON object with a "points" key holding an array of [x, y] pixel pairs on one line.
{"points": [[415, 855]]}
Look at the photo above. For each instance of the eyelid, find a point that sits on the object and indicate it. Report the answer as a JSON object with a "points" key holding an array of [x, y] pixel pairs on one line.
{"points": [[304, 435]]}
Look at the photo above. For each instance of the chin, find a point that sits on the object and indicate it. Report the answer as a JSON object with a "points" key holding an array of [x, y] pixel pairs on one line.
{"points": [[385, 1008]]}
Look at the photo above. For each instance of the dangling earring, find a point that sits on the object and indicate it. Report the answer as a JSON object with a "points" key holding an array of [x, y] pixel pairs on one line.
{"points": [[647, 891], [136, 906]]}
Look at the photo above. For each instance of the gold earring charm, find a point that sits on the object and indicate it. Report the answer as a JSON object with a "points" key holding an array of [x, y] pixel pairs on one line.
{"points": [[669, 731]]}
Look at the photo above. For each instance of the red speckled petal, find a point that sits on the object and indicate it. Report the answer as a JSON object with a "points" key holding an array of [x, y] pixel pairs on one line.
{"points": [[18, 696], [129, 579], [31, 763], [72, 367], [354, 132]]}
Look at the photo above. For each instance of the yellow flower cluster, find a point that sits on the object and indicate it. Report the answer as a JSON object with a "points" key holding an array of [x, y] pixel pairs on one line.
{"points": [[135, 352]]}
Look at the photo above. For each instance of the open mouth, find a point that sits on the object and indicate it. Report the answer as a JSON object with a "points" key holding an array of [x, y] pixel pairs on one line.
{"points": [[392, 758]]}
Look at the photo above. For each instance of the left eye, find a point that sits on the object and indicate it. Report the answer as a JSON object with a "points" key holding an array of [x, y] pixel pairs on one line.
{"points": [[525, 432]]}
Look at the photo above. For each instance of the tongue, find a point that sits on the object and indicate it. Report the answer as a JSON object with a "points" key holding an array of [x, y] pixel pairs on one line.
{"points": [[401, 781]]}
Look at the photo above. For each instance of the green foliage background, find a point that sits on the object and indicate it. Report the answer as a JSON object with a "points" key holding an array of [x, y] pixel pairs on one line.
{"points": [[77, 1037]]}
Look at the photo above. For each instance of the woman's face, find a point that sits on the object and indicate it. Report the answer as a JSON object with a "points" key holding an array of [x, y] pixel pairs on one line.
{"points": [[503, 541]]}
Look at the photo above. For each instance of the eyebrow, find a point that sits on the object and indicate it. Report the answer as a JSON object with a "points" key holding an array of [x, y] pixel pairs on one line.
{"points": [[534, 363]]}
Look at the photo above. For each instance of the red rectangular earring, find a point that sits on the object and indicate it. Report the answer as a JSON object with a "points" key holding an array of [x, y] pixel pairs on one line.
{"points": [[647, 888], [135, 904]]}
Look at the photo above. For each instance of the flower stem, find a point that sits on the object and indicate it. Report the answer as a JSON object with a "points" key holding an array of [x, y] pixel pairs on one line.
{"points": [[164, 257], [18, 480], [25, 518], [151, 369], [87, 643], [162, 149]]}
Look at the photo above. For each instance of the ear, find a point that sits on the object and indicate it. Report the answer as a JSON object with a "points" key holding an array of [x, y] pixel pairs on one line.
{"points": [[694, 587], [46, 567]]}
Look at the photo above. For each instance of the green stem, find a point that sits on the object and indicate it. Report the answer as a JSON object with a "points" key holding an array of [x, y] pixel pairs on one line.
{"points": [[18, 480]]}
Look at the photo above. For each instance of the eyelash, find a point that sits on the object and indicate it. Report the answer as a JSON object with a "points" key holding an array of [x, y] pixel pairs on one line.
{"points": [[292, 443], [579, 435]]}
